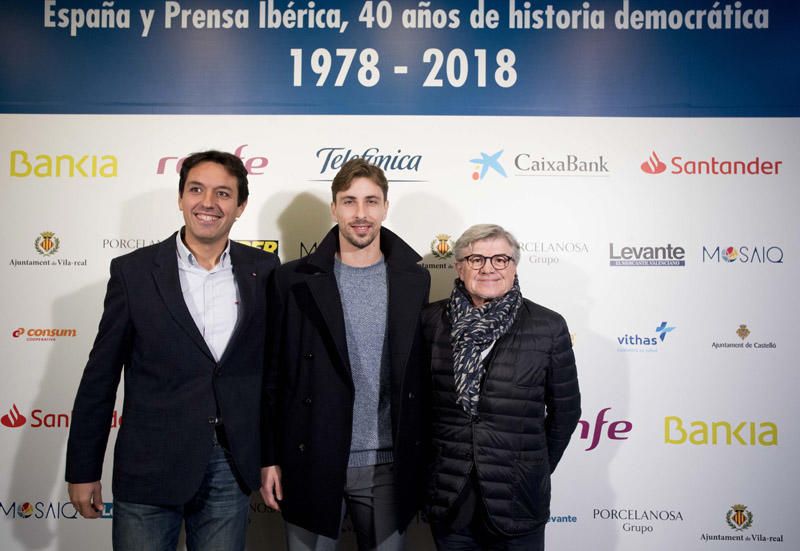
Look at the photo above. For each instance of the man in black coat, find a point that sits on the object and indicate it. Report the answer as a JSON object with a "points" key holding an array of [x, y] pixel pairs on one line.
{"points": [[505, 401], [186, 319], [348, 378]]}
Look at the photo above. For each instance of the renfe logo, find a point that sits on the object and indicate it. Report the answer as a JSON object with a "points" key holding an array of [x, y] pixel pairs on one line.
{"points": [[251, 164], [614, 431]]}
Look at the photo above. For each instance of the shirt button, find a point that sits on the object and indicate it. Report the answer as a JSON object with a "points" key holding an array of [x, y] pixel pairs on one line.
{"points": [[308, 355], [410, 395], [212, 420], [307, 401], [302, 448]]}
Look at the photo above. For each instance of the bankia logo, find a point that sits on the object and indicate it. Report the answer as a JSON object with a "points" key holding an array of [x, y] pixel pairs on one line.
{"points": [[29, 164], [744, 254], [13, 419], [397, 164], [740, 520], [646, 255], [719, 433], [266, 245], [645, 341], [254, 165], [485, 163], [679, 164]]}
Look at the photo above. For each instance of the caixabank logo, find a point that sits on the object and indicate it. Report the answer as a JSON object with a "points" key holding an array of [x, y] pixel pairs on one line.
{"points": [[742, 528], [41, 419], [714, 166]]}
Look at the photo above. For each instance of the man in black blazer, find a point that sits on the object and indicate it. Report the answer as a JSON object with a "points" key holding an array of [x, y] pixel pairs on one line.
{"points": [[348, 377], [186, 319]]}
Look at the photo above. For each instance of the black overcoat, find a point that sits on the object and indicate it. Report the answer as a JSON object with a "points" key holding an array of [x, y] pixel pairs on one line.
{"points": [[309, 393]]}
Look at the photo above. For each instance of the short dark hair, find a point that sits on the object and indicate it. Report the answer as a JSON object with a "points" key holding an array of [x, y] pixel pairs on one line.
{"points": [[359, 168], [229, 162]]}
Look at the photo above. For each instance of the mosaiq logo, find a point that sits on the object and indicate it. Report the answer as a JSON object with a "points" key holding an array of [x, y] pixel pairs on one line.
{"points": [[254, 164], [38, 510], [741, 522], [748, 254], [645, 341], [678, 164], [398, 165], [646, 255]]}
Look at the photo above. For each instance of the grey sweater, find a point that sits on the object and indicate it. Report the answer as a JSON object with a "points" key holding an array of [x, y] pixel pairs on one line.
{"points": [[364, 295]]}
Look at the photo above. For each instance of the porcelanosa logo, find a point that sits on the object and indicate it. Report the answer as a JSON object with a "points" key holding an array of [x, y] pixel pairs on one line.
{"points": [[485, 163], [713, 165], [645, 342], [255, 164], [399, 165], [551, 252], [748, 254], [638, 520]]}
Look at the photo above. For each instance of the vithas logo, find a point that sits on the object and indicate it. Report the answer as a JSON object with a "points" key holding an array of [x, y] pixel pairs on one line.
{"points": [[13, 418], [653, 165]]}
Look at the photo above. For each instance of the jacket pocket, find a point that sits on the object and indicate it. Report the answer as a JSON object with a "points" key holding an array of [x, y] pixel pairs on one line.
{"points": [[531, 491]]}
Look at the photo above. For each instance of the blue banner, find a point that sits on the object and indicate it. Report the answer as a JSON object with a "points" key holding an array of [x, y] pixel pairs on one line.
{"points": [[438, 57]]}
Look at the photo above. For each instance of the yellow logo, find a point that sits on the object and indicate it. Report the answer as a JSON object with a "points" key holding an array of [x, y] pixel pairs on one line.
{"points": [[268, 245], [47, 243], [442, 246]]}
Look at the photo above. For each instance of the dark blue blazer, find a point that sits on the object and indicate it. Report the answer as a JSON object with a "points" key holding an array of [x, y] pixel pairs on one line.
{"points": [[174, 389]]}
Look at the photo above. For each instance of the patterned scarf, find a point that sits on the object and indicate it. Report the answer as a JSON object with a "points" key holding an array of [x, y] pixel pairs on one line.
{"points": [[472, 331]]}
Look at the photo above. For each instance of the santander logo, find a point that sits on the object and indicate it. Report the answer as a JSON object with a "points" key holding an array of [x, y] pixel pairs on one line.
{"points": [[13, 418], [653, 165]]}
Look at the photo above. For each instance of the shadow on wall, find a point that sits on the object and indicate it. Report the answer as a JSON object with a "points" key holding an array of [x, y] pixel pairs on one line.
{"points": [[302, 223]]}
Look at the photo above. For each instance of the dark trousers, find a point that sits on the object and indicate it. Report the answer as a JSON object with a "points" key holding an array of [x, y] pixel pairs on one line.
{"points": [[470, 528]]}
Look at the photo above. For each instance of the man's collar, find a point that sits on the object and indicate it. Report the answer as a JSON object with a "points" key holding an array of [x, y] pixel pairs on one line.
{"points": [[187, 256]]}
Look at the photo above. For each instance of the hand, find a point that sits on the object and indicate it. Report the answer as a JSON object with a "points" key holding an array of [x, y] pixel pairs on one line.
{"points": [[86, 498], [271, 486]]}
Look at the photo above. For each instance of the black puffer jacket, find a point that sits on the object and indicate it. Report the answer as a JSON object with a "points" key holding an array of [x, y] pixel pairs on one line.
{"points": [[529, 407]]}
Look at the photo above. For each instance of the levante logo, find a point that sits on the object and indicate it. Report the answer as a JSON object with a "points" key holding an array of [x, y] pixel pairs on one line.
{"points": [[646, 255]]}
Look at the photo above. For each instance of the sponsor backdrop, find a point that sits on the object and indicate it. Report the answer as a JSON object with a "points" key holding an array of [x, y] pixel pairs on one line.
{"points": [[644, 153]]}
